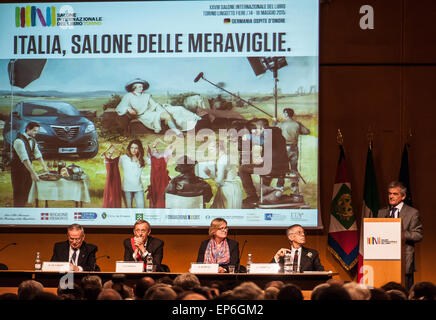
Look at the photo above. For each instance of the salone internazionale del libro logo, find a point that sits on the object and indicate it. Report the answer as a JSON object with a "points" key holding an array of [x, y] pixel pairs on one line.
{"points": [[52, 16]]}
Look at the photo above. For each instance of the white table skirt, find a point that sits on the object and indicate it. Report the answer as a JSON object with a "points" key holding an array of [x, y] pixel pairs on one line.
{"points": [[60, 190]]}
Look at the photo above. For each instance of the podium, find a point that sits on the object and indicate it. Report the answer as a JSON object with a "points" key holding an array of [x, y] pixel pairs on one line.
{"points": [[383, 251]]}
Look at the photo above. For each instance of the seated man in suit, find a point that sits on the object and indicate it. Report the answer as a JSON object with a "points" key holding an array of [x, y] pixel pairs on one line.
{"points": [[302, 258], [80, 254], [141, 244]]}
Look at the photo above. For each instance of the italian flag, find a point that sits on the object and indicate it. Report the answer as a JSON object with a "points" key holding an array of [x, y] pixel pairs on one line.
{"points": [[343, 237], [370, 204]]}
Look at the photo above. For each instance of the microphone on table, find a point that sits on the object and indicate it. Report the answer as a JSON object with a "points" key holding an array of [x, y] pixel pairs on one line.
{"points": [[103, 256], [8, 245], [2, 265], [240, 256], [95, 263]]}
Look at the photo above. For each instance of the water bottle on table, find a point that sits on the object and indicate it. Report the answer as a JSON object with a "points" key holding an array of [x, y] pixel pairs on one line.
{"points": [[249, 261], [149, 266], [38, 265], [287, 267]]}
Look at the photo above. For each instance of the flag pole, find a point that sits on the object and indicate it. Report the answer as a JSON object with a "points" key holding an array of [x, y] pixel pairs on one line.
{"points": [[370, 136], [339, 138], [409, 138]]}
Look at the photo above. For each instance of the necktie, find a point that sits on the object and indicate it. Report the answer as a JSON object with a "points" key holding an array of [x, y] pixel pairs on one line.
{"points": [[73, 257], [295, 261], [393, 210]]}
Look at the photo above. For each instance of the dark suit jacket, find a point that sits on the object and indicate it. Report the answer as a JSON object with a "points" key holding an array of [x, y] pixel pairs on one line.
{"points": [[154, 246], [233, 248], [412, 232], [309, 260], [86, 259]]}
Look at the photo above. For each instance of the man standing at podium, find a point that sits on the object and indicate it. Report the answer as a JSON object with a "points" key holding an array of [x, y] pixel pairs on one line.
{"points": [[410, 222]]}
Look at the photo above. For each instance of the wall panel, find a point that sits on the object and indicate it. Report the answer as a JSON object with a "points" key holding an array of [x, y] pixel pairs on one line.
{"points": [[419, 99], [343, 41], [419, 31]]}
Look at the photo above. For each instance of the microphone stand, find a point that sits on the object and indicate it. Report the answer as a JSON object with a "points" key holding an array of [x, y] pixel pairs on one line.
{"points": [[2, 265], [201, 76], [95, 263], [240, 256]]}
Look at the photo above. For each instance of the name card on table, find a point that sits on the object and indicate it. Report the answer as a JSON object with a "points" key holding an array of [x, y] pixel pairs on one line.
{"points": [[204, 268], [55, 266], [128, 266], [264, 268]]}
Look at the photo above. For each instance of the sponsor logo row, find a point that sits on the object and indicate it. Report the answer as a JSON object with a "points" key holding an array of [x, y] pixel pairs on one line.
{"points": [[90, 216], [121, 217]]}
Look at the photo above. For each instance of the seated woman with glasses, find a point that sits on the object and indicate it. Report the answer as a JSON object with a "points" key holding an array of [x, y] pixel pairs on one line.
{"points": [[219, 249]]}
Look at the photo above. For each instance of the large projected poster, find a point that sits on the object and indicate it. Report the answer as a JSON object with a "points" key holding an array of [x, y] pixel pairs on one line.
{"points": [[176, 112]]}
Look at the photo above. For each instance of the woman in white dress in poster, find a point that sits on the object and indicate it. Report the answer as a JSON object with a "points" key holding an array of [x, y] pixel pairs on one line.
{"points": [[132, 163], [138, 103], [229, 190]]}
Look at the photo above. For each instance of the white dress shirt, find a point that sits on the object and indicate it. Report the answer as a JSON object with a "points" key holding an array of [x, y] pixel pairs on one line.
{"points": [[77, 258], [20, 148], [293, 250], [399, 207]]}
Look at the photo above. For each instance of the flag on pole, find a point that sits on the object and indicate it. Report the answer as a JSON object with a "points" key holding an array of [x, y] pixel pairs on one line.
{"points": [[404, 175], [343, 237], [370, 205]]}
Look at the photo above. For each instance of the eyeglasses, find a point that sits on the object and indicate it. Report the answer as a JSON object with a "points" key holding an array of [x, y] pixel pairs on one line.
{"points": [[299, 233], [140, 231], [394, 194], [224, 229], [75, 239]]}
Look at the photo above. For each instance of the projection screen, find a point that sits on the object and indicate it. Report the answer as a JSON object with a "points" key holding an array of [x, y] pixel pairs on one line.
{"points": [[169, 111]]}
